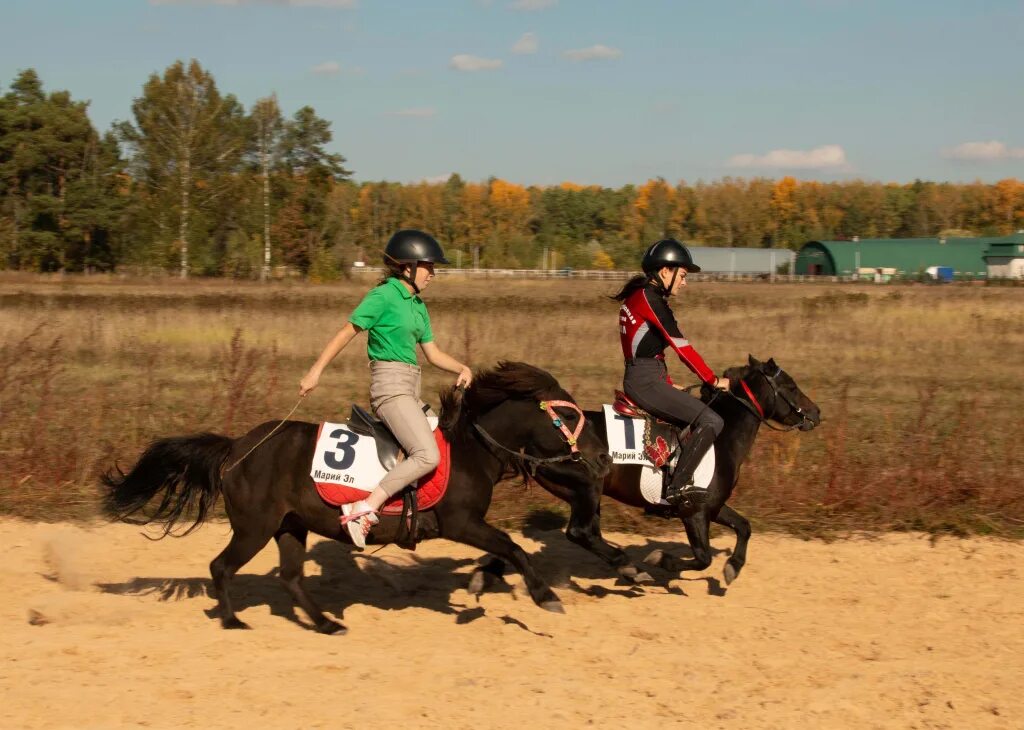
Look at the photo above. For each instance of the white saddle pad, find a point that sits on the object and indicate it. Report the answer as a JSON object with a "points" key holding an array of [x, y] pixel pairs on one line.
{"points": [[650, 477], [626, 446], [345, 457]]}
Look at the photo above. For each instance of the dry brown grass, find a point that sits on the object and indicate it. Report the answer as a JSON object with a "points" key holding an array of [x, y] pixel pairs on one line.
{"points": [[919, 385]]}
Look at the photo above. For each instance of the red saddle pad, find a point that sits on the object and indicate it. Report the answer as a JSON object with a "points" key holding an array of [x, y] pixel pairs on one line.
{"points": [[432, 487]]}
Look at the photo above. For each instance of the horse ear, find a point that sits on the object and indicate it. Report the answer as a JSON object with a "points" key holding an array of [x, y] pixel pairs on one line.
{"points": [[753, 361], [771, 363]]}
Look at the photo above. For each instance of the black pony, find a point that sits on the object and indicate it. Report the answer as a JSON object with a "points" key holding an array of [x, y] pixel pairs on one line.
{"points": [[496, 424], [770, 395]]}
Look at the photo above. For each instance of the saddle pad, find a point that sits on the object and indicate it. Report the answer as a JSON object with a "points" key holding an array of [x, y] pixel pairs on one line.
{"points": [[625, 437], [345, 463], [651, 477], [346, 469]]}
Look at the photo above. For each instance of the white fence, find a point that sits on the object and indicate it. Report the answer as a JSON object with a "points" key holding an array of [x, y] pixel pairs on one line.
{"points": [[604, 275]]}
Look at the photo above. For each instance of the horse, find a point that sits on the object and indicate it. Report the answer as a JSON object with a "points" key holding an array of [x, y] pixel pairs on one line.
{"points": [[493, 426], [759, 393]]}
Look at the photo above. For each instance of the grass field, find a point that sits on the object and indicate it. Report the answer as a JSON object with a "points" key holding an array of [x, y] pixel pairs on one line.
{"points": [[919, 385]]}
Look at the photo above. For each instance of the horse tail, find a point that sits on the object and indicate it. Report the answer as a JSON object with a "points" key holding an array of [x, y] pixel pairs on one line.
{"points": [[185, 471]]}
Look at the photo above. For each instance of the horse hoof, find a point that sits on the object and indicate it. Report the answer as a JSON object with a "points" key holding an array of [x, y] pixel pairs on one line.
{"points": [[235, 623], [476, 583], [553, 606], [631, 574], [331, 628], [730, 573], [654, 558]]}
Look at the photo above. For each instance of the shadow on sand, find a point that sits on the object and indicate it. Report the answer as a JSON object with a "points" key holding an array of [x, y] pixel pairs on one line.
{"points": [[434, 583]]}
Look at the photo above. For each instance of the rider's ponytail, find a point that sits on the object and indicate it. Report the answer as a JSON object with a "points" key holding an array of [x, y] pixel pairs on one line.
{"points": [[637, 282], [391, 271]]}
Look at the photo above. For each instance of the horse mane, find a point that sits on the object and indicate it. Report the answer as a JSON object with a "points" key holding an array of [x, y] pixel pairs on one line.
{"points": [[507, 381]]}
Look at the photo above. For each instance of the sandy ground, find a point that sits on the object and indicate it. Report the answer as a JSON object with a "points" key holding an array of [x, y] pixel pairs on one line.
{"points": [[102, 628]]}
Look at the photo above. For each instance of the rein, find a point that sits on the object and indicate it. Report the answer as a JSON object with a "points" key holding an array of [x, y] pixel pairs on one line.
{"points": [[294, 407], [530, 463]]}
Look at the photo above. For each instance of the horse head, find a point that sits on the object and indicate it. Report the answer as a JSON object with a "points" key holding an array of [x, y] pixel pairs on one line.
{"points": [[774, 394], [522, 415]]}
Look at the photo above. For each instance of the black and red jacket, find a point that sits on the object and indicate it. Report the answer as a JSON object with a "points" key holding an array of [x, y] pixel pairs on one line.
{"points": [[647, 326]]}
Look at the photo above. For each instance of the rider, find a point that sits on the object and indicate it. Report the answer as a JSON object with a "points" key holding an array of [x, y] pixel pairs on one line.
{"points": [[646, 327], [396, 320]]}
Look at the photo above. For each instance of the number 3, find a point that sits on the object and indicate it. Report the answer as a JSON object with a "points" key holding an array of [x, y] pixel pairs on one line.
{"points": [[345, 447]]}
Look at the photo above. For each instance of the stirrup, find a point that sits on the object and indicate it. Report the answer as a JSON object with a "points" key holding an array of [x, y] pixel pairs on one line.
{"points": [[688, 496]]}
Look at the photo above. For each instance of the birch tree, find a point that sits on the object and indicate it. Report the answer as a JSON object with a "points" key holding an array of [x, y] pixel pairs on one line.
{"points": [[268, 126], [186, 141]]}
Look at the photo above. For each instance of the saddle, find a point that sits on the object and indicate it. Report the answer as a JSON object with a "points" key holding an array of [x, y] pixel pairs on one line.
{"points": [[407, 502], [661, 439], [364, 423]]}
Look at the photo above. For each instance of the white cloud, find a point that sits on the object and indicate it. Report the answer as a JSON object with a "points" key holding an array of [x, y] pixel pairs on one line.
{"points": [[826, 157], [436, 179], [328, 68], [466, 62], [423, 112], [592, 53], [532, 4], [991, 151], [344, 4], [526, 44]]}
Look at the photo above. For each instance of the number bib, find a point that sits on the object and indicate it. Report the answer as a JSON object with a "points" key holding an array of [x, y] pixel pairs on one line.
{"points": [[347, 459], [625, 438]]}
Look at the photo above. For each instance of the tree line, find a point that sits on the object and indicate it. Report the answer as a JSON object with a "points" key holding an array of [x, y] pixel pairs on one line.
{"points": [[195, 183]]}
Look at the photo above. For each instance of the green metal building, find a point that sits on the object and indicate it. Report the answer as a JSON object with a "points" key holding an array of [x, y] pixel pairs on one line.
{"points": [[1005, 257], [901, 256]]}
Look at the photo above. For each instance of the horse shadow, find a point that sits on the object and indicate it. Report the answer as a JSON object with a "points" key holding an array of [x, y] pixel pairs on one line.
{"points": [[561, 561], [346, 578]]}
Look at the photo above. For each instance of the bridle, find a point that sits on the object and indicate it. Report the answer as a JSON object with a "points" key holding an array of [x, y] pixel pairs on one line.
{"points": [[754, 406], [530, 463]]}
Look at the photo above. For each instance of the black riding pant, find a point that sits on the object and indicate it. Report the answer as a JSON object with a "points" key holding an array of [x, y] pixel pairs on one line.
{"points": [[646, 383]]}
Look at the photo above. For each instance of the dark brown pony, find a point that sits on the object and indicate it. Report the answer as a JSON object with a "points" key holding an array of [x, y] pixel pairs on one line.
{"points": [[774, 398], [270, 493]]}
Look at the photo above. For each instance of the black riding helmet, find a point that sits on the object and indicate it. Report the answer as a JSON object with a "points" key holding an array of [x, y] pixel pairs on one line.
{"points": [[410, 247], [668, 252]]}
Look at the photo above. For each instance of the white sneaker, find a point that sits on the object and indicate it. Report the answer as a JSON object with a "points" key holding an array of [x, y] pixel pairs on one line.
{"points": [[358, 527]]}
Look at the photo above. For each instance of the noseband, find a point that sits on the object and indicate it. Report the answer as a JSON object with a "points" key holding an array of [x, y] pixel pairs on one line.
{"points": [[532, 463]]}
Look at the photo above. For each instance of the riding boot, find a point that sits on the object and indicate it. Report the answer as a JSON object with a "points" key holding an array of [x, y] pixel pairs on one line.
{"points": [[681, 490]]}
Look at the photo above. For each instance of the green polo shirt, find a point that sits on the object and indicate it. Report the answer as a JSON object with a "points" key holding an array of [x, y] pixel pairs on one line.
{"points": [[395, 321]]}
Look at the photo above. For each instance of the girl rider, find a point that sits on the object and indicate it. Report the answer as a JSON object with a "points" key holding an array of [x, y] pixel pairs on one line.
{"points": [[396, 320], [646, 327]]}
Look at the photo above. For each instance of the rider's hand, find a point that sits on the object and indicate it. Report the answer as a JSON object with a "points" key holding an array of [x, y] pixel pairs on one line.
{"points": [[465, 378], [308, 382], [722, 384]]}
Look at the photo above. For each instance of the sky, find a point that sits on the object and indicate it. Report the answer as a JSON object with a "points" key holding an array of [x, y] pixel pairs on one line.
{"points": [[603, 92]]}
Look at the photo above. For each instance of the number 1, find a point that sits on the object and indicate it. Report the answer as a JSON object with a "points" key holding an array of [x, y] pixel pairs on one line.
{"points": [[628, 430]]}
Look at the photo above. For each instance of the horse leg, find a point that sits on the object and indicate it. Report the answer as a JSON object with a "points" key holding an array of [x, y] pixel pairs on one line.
{"points": [[697, 533], [291, 544], [486, 537], [243, 547], [739, 524], [584, 529], [484, 576]]}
